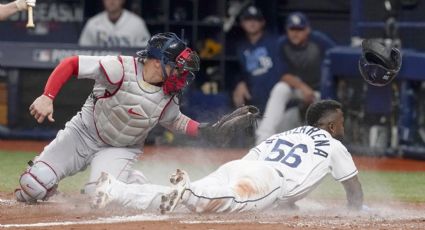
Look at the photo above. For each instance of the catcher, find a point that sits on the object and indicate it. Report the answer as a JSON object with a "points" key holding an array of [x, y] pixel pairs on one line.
{"points": [[130, 96]]}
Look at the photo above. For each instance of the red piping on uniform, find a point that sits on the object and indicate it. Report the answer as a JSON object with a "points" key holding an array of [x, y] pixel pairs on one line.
{"points": [[23, 190], [35, 178], [162, 112], [125, 166], [103, 97], [50, 168], [106, 74], [135, 65]]}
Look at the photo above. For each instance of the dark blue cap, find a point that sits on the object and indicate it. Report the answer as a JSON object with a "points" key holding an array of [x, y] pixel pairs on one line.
{"points": [[297, 20], [251, 12]]}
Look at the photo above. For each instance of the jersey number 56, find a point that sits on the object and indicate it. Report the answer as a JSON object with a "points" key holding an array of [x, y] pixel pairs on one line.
{"points": [[291, 158]]}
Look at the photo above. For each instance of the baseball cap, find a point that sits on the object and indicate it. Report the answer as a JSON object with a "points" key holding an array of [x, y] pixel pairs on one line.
{"points": [[251, 12], [297, 20]]}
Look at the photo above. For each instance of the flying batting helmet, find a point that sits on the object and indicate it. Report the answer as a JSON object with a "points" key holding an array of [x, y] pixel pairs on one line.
{"points": [[379, 64]]}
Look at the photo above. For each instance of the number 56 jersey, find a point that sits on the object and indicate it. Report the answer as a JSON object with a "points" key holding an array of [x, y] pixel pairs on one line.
{"points": [[304, 156]]}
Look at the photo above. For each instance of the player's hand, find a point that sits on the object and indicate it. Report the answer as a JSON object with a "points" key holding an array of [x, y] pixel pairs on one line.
{"points": [[41, 108], [241, 94], [308, 94], [23, 4]]}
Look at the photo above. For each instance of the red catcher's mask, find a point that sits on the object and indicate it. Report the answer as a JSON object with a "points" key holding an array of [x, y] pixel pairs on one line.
{"points": [[182, 72], [175, 82]]}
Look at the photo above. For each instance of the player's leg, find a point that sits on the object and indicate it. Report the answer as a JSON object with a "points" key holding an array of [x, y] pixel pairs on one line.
{"points": [[234, 187], [140, 196], [290, 119], [115, 161], [276, 105], [130, 187], [64, 156]]}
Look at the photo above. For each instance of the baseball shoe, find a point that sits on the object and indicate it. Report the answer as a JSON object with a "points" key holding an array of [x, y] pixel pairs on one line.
{"points": [[102, 197], [179, 183]]}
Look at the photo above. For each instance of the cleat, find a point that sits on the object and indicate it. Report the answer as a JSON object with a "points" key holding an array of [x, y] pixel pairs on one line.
{"points": [[180, 182], [101, 195]]}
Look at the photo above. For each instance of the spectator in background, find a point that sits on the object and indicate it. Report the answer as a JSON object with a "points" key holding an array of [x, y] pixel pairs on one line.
{"points": [[259, 59], [9, 9], [115, 27], [302, 52]]}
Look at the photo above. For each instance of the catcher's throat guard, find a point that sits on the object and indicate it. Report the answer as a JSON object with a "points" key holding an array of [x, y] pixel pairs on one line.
{"points": [[378, 64]]}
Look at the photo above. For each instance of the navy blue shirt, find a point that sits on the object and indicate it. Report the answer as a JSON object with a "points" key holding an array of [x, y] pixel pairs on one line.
{"points": [[261, 67], [306, 61]]}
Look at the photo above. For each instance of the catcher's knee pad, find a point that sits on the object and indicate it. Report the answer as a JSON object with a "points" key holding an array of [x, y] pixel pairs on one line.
{"points": [[38, 182]]}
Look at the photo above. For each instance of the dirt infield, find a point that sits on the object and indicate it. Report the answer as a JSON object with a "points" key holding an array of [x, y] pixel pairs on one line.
{"points": [[73, 212]]}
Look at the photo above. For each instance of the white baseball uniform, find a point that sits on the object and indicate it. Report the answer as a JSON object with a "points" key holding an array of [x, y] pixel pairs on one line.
{"points": [[109, 131], [129, 31], [285, 167]]}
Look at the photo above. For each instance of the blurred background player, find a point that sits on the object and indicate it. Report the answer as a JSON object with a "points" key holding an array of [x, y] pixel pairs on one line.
{"points": [[9, 9], [115, 27], [302, 51], [259, 61]]}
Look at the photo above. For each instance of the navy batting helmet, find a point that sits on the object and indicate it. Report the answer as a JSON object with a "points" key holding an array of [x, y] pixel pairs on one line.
{"points": [[379, 64]]}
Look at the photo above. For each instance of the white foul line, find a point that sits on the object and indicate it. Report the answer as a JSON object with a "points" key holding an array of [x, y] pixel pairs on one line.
{"points": [[109, 220]]}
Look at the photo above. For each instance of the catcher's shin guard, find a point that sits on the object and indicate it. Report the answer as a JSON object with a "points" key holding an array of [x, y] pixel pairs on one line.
{"points": [[38, 182]]}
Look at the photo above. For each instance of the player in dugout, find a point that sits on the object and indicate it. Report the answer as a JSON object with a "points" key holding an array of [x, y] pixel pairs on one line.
{"points": [[281, 170], [131, 95], [9, 9]]}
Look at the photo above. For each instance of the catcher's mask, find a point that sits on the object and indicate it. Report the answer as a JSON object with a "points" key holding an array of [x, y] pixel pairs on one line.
{"points": [[379, 65], [172, 51]]}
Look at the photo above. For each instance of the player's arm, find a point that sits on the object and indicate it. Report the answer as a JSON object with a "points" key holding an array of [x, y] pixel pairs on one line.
{"points": [[172, 119], [9, 9], [42, 107], [345, 171], [354, 192]]}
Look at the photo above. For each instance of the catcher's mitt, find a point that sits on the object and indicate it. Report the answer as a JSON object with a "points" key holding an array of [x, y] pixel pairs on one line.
{"points": [[225, 129]]}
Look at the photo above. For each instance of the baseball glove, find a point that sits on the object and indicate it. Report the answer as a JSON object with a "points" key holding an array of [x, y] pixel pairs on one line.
{"points": [[227, 126]]}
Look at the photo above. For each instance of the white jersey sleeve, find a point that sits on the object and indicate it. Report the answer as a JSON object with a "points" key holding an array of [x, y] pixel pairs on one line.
{"points": [[342, 164], [252, 155], [89, 68], [88, 36]]}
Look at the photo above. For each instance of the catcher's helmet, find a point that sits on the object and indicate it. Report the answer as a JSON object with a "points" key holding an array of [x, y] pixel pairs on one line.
{"points": [[171, 50], [379, 65]]}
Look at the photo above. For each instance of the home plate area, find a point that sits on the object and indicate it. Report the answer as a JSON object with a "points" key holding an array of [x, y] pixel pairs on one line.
{"points": [[73, 212]]}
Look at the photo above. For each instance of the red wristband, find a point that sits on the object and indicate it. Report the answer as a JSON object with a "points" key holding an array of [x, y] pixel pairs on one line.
{"points": [[192, 128]]}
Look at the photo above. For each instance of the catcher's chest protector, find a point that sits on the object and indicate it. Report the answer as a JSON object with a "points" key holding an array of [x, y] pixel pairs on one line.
{"points": [[126, 117]]}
